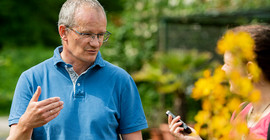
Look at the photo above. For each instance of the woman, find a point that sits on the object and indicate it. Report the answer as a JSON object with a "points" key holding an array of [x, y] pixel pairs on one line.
{"points": [[257, 114]]}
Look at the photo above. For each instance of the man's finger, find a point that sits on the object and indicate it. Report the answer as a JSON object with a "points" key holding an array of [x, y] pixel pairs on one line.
{"points": [[36, 95], [53, 111], [53, 105], [51, 117], [49, 101]]}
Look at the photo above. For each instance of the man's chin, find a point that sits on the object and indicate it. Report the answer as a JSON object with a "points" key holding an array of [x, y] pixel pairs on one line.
{"points": [[91, 60]]}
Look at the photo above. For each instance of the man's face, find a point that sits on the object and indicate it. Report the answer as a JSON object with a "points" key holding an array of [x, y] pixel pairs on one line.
{"points": [[78, 48]]}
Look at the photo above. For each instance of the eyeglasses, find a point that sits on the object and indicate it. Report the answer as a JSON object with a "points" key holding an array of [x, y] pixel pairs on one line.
{"points": [[102, 37]]}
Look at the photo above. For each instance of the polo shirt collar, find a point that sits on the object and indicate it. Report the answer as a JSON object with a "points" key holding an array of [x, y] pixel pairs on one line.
{"points": [[58, 60]]}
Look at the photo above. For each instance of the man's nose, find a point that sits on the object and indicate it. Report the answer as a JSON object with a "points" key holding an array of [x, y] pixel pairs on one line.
{"points": [[94, 41]]}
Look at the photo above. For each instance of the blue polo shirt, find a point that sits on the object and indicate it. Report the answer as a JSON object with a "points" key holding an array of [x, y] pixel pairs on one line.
{"points": [[101, 104]]}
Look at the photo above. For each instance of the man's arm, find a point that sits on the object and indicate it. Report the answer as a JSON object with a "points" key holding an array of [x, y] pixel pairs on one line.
{"points": [[37, 114], [16, 133], [132, 136]]}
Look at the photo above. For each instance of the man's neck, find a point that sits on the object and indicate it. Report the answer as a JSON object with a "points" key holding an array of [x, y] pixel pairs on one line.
{"points": [[78, 66]]}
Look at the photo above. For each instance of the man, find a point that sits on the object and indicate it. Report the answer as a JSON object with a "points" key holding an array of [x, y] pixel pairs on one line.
{"points": [[76, 94]]}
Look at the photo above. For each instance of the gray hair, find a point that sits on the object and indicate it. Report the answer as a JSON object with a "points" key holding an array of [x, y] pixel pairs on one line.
{"points": [[67, 12]]}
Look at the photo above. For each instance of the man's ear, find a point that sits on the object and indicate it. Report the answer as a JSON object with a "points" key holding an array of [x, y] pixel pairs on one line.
{"points": [[250, 76], [62, 32]]}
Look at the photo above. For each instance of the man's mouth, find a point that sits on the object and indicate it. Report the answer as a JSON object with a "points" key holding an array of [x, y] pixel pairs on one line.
{"points": [[91, 51]]}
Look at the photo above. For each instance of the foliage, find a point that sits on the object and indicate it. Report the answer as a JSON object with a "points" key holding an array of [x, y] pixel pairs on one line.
{"points": [[171, 73], [218, 103], [35, 22], [31, 22], [134, 24], [134, 39], [13, 61], [135, 30]]}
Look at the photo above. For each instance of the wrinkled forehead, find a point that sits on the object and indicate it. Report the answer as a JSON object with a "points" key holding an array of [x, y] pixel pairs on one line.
{"points": [[88, 15], [89, 9]]}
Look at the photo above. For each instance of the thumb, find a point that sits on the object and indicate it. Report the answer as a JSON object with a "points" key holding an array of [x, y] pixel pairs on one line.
{"points": [[36, 95]]}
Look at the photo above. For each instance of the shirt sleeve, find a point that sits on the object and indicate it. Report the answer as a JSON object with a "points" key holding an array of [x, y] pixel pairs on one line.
{"points": [[132, 114], [21, 98]]}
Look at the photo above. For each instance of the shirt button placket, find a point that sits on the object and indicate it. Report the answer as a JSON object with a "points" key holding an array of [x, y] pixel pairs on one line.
{"points": [[80, 93]]}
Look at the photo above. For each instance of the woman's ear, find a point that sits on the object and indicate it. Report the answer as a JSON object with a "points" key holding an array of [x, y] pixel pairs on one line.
{"points": [[254, 72], [249, 64], [62, 32]]}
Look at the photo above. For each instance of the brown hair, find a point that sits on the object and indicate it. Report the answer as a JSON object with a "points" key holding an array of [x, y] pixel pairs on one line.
{"points": [[261, 36]]}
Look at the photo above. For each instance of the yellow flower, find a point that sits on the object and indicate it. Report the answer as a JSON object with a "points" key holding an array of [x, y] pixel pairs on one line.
{"points": [[245, 87], [207, 73], [219, 92], [235, 76], [201, 89], [206, 105], [218, 122], [242, 128], [219, 75], [218, 103], [246, 44], [197, 127], [226, 43], [204, 132], [233, 104], [225, 113], [226, 131], [255, 96], [202, 117]]}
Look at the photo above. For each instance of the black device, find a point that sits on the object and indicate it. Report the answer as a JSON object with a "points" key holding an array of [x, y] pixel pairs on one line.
{"points": [[186, 128]]}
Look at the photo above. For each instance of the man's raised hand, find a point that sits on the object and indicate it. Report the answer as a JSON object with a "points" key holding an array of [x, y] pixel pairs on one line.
{"points": [[39, 113]]}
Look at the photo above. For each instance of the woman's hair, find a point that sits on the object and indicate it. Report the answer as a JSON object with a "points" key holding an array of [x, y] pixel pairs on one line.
{"points": [[67, 12], [261, 37]]}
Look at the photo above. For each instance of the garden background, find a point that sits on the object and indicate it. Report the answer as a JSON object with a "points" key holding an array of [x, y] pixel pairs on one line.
{"points": [[29, 35]]}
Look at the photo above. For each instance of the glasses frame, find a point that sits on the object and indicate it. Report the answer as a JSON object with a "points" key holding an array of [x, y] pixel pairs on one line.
{"points": [[92, 35]]}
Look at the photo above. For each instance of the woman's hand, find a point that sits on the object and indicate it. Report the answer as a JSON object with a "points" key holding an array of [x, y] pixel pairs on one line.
{"points": [[178, 131]]}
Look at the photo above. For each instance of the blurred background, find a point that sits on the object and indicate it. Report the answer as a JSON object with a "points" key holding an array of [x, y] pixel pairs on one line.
{"points": [[164, 44]]}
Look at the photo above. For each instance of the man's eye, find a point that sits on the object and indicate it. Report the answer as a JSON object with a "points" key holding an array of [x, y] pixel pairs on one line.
{"points": [[87, 34]]}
